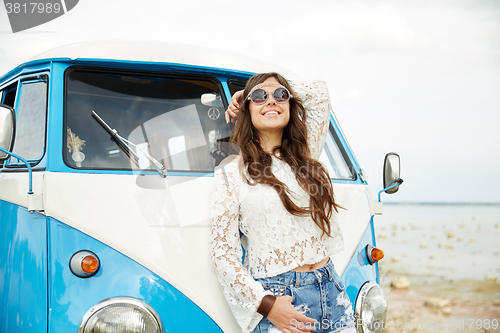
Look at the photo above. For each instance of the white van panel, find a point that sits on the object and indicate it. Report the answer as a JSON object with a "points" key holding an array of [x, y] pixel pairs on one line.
{"points": [[14, 186], [166, 227]]}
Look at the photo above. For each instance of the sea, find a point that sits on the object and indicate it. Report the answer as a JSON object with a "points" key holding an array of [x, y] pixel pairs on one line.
{"points": [[440, 241]]}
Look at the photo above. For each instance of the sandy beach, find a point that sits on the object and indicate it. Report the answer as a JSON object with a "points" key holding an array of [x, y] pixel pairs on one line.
{"points": [[441, 270], [459, 306]]}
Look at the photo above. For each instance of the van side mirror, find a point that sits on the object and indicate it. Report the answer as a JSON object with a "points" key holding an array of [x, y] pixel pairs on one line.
{"points": [[392, 171], [7, 119]]}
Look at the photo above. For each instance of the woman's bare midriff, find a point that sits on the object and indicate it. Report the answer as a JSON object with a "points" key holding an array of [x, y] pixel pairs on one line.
{"points": [[310, 268]]}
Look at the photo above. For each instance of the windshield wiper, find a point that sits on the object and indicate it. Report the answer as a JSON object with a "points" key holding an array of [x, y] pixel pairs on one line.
{"points": [[122, 143]]}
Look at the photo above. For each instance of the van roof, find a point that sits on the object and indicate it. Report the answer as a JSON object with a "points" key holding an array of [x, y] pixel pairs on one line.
{"points": [[162, 52]]}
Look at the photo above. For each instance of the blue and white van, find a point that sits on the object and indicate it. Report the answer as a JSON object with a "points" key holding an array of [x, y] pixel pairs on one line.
{"points": [[107, 152]]}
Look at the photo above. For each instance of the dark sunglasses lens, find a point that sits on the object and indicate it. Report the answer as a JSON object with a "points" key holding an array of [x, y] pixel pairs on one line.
{"points": [[259, 96], [281, 95]]}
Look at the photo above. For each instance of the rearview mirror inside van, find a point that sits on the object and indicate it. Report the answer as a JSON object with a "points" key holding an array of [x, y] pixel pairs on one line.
{"points": [[211, 99]]}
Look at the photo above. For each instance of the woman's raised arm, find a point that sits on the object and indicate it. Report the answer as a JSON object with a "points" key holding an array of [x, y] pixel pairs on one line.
{"points": [[316, 101], [234, 106]]}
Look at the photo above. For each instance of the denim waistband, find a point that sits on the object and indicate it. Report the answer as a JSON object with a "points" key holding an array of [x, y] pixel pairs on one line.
{"points": [[301, 278]]}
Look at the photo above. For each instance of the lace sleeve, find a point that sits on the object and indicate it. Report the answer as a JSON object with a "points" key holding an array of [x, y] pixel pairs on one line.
{"points": [[316, 101], [241, 291]]}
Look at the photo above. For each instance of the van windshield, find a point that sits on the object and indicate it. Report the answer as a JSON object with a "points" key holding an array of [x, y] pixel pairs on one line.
{"points": [[177, 120]]}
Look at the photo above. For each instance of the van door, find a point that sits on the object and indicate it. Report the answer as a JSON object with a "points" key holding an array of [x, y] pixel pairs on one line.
{"points": [[23, 235]]}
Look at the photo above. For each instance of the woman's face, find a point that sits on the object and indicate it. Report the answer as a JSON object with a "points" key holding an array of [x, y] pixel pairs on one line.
{"points": [[270, 117]]}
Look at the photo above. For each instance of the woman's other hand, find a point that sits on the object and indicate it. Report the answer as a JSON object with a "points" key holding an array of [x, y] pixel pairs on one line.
{"points": [[234, 107], [284, 316]]}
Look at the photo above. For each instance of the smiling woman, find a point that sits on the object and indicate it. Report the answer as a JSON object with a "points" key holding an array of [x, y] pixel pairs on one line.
{"points": [[269, 119], [281, 198]]}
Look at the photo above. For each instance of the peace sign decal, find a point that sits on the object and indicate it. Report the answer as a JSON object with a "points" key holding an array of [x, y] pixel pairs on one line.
{"points": [[213, 113]]}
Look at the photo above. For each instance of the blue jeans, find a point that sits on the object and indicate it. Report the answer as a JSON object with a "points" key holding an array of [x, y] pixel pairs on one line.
{"points": [[319, 294]]}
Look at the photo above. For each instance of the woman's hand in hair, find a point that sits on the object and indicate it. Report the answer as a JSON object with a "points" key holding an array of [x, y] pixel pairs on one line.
{"points": [[234, 107], [284, 316]]}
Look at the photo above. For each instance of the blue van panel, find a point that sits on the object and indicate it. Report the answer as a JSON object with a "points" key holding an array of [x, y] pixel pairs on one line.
{"points": [[32, 67], [55, 130], [70, 297], [374, 244], [357, 272], [23, 270]]}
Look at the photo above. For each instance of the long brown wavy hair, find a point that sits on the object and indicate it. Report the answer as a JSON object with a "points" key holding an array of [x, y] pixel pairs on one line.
{"points": [[294, 150]]}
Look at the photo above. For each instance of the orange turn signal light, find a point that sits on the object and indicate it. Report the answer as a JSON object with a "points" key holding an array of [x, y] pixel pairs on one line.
{"points": [[84, 264], [376, 254], [90, 264], [370, 256]]}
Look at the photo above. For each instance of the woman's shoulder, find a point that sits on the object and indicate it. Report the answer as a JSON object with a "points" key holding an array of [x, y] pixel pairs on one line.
{"points": [[230, 163], [228, 171], [231, 159]]}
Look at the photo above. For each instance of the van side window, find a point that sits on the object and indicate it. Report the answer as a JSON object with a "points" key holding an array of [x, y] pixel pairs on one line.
{"points": [[179, 120], [9, 95], [235, 85], [334, 159], [31, 113]]}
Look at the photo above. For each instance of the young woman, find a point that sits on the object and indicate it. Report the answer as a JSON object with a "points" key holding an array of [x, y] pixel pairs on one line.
{"points": [[280, 198]]}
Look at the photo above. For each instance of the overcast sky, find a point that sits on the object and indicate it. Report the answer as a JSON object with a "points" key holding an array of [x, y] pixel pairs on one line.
{"points": [[416, 77]]}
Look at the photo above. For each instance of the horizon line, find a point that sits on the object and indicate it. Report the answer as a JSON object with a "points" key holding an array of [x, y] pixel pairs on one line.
{"points": [[442, 203]]}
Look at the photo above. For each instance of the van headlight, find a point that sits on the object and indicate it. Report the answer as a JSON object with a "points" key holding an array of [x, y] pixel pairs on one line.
{"points": [[121, 314], [371, 309]]}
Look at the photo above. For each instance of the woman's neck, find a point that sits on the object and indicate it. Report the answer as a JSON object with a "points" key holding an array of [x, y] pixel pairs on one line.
{"points": [[270, 140]]}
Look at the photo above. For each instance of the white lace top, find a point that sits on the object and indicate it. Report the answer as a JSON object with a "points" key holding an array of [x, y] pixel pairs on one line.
{"points": [[277, 241]]}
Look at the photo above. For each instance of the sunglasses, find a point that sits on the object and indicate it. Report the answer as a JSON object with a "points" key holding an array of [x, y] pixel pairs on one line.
{"points": [[259, 96]]}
